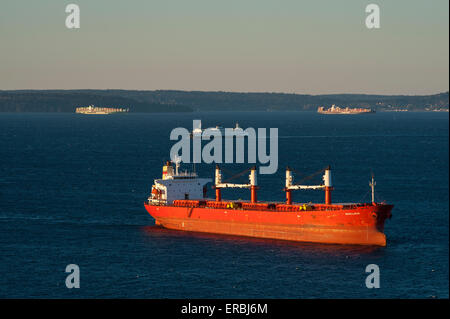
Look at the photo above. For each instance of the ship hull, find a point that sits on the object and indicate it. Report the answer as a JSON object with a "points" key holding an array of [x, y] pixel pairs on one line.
{"points": [[360, 226]]}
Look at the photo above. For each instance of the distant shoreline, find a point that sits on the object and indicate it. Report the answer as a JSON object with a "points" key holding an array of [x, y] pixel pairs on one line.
{"points": [[66, 101]]}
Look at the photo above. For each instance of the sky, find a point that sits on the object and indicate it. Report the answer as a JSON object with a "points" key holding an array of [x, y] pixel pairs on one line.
{"points": [[291, 46]]}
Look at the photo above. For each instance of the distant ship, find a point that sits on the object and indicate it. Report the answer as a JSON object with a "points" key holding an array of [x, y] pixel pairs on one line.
{"points": [[179, 201], [236, 131], [91, 109], [338, 110]]}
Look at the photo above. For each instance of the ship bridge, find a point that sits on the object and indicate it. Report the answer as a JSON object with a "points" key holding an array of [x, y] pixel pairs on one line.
{"points": [[176, 185]]}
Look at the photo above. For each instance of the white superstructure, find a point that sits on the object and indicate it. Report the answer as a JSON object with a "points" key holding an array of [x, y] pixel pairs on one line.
{"points": [[177, 185]]}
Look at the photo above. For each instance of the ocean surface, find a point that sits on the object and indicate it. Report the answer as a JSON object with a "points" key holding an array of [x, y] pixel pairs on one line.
{"points": [[72, 189]]}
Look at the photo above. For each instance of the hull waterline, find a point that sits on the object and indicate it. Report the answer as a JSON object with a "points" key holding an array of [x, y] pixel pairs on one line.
{"points": [[361, 226]]}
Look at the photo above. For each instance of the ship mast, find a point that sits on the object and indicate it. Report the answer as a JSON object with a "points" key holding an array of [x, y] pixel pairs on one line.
{"points": [[372, 185], [177, 161], [253, 184], [327, 186]]}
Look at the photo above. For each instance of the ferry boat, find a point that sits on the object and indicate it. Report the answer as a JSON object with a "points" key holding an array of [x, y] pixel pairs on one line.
{"points": [[179, 201]]}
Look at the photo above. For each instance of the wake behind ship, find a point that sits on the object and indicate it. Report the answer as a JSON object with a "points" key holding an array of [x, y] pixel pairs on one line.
{"points": [[178, 201]]}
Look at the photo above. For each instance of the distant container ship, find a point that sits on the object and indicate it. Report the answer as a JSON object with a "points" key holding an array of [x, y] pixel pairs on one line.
{"points": [[99, 110], [338, 110], [178, 201]]}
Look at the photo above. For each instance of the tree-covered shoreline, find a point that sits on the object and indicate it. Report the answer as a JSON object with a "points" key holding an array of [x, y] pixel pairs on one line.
{"points": [[188, 101]]}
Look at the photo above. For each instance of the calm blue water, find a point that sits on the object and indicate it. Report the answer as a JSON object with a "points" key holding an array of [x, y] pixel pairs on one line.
{"points": [[72, 190]]}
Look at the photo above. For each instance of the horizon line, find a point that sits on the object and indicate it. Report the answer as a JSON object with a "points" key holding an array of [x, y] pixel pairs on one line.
{"points": [[220, 91]]}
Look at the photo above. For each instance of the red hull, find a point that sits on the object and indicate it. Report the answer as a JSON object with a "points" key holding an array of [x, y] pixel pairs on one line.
{"points": [[334, 224]]}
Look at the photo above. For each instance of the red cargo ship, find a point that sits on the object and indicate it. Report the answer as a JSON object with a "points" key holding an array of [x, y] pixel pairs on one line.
{"points": [[178, 201]]}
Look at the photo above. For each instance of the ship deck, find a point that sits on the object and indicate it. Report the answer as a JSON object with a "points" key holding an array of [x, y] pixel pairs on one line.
{"points": [[264, 206]]}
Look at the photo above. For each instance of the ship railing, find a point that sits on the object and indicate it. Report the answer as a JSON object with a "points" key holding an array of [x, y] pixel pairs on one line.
{"points": [[266, 206], [188, 203], [158, 202], [184, 175]]}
